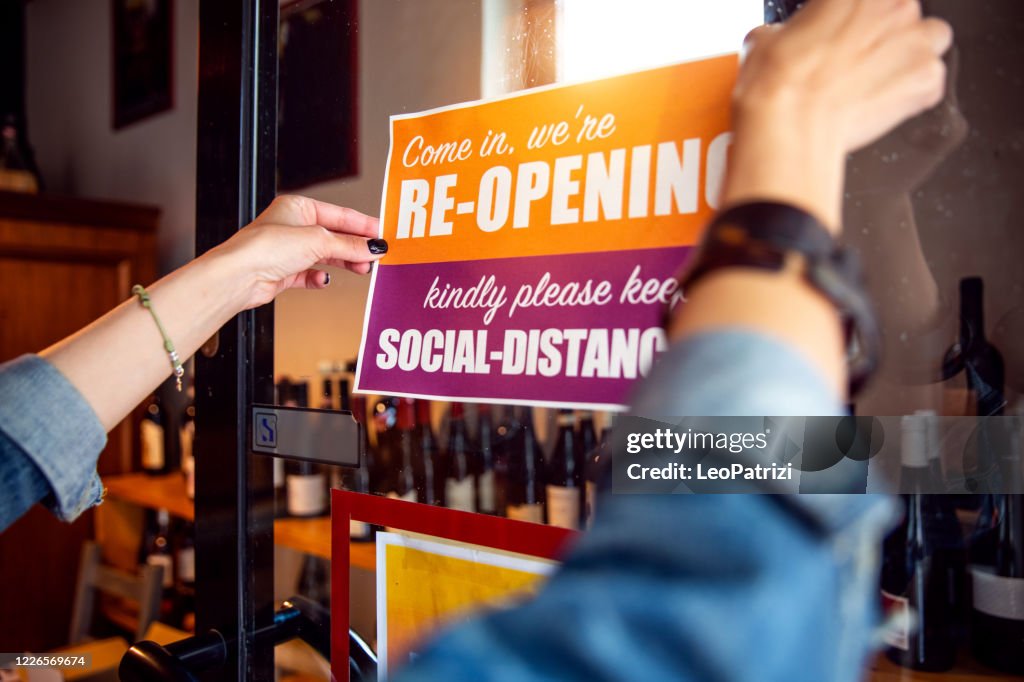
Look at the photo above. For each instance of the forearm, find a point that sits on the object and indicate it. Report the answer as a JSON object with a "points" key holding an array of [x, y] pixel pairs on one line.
{"points": [[119, 359], [791, 164]]}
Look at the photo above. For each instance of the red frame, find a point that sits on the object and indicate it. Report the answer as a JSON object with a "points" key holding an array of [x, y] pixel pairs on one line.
{"points": [[548, 542]]}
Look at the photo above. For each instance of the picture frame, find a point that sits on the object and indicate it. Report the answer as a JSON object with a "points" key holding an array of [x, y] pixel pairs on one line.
{"points": [[318, 105], [142, 59]]}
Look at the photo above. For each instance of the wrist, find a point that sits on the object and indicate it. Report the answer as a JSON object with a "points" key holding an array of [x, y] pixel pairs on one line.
{"points": [[230, 281], [782, 154]]}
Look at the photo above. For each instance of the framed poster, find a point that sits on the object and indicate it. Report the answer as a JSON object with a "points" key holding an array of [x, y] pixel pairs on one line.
{"points": [[143, 59]]}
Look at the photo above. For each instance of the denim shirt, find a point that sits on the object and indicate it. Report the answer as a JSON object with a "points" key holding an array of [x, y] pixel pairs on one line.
{"points": [[50, 439], [723, 588]]}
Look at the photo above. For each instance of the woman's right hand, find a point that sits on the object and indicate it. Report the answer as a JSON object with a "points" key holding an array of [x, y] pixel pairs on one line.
{"points": [[836, 77]]}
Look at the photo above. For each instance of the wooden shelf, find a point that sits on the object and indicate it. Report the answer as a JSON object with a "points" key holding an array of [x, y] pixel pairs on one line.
{"points": [[152, 492], [311, 536], [884, 670]]}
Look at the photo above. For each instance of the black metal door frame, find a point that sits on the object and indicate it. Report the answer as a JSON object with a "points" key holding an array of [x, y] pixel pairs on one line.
{"points": [[235, 179]]}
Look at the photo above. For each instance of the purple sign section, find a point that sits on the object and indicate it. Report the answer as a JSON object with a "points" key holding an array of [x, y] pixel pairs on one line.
{"points": [[572, 329]]}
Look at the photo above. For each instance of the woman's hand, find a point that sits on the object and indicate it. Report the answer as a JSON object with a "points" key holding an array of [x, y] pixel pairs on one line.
{"points": [[836, 77], [279, 249]]}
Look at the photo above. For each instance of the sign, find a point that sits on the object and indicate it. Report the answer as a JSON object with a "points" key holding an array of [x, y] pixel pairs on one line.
{"points": [[424, 585], [534, 239]]}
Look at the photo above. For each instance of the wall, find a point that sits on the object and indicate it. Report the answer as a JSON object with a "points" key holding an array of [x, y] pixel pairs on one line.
{"points": [[69, 101], [412, 56]]}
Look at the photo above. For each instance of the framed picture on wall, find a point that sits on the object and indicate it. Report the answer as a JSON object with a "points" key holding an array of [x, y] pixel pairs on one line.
{"points": [[143, 59], [317, 135]]}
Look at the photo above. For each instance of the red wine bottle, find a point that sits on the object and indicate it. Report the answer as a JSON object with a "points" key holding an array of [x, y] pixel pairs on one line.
{"points": [[459, 483], [505, 451], [592, 472], [186, 439], [486, 493], [565, 475], [404, 454], [152, 438], [587, 433], [916, 569], [429, 469], [358, 479], [981, 362], [997, 617], [160, 553], [185, 578], [305, 481], [525, 492]]}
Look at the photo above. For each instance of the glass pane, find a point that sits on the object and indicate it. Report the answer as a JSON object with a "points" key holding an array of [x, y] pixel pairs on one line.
{"points": [[409, 57]]}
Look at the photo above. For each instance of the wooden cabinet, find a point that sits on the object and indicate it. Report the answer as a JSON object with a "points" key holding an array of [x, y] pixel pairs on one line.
{"points": [[63, 263]]}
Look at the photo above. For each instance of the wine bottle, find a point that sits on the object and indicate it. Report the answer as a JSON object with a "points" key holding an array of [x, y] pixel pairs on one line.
{"points": [[327, 394], [359, 479], [284, 395], [506, 436], [587, 433], [997, 617], [305, 482], [933, 440], [915, 570], [485, 476], [525, 493], [981, 362], [152, 438], [185, 578], [333, 475], [159, 553], [592, 472], [565, 475], [186, 437], [459, 483], [405, 455], [429, 468]]}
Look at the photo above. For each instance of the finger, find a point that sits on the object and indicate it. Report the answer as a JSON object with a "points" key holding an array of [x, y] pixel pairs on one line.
{"points": [[311, 279], [295, 210], [359, 268], [875, 22], [342, 219], [755, 37], [938, 33], [337, 246]]}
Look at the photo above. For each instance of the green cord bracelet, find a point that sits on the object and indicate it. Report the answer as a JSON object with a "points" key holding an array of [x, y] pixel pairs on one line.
{"points": [[179, 371]]}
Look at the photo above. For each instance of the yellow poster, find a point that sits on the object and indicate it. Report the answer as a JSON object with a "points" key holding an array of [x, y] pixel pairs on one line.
{"points": [[423, 585]]}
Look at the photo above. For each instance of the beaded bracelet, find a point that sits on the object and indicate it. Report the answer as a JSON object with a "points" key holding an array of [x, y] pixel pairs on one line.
{"points": [[179, 371]]}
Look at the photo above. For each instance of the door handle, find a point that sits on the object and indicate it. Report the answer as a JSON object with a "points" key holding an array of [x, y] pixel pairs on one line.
{"points": [[299, 617]]}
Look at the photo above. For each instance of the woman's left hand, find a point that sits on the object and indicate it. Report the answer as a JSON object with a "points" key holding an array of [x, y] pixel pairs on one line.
{"points": [[280, 248]]}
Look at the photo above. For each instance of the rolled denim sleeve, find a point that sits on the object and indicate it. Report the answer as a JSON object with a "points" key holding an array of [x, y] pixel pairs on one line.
{"points": [[696, 587], [48, 433]]}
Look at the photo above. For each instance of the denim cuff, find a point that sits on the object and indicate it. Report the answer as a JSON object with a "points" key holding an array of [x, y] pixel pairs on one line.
{"points": [[56, 428]]}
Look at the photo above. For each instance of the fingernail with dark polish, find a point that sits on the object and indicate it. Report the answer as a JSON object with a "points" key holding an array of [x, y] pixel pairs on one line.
{"points": [[377, 246], [327, 278]]}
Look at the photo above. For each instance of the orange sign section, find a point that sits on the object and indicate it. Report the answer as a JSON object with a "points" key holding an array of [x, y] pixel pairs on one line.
{"points": [[630, 162]]}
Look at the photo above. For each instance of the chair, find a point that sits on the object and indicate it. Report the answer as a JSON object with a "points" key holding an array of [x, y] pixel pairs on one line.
{"points": [[93, 576]]}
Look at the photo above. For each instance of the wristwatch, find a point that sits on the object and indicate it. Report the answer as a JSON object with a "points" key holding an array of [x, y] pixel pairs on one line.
{"points": [[773, 236]]}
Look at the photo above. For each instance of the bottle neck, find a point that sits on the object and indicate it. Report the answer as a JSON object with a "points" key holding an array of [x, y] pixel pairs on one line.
{"points": [[972, 312]]}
